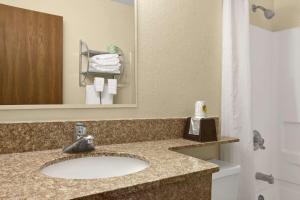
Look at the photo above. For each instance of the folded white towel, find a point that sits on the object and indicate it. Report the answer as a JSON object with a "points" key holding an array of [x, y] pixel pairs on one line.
{"points": [[106, 56], [117, 72], [99, 84], [91, 96], [104, 68], [112, 86], [106, 98], [95, 65], [111, 61]]}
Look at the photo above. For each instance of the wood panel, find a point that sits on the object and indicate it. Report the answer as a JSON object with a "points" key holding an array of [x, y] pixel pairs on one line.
{"points": [[31, 57]]}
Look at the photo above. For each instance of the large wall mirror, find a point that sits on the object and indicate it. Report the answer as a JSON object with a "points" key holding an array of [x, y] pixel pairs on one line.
{"points": [[65, 54]]}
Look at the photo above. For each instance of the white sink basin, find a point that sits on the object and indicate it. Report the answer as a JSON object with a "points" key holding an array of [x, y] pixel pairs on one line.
{"points": [[95, 167]]}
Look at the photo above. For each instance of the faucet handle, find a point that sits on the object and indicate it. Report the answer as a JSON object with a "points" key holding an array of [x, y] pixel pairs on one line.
{"points": [[80, 130], [89, 139], [258, 141]]}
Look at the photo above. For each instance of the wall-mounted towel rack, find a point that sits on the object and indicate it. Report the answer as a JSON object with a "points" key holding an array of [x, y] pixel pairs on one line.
{"points": [[86, 53]]}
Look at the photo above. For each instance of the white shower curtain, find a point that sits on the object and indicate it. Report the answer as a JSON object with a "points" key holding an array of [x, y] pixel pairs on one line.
{"points": [[236, 93]]}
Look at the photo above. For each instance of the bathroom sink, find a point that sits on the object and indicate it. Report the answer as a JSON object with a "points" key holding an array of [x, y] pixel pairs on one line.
{"points": [[95, 167]]}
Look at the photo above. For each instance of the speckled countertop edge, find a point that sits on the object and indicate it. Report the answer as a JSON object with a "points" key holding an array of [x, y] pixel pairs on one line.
{"points": [[20, 175]]}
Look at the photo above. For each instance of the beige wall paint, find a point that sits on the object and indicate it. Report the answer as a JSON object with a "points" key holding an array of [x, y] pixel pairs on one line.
{"points": [[257, 18], [287, 14], [99, 23], [179, 62]]}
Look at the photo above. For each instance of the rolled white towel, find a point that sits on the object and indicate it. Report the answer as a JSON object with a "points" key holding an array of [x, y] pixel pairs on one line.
{"points": [[111, 61], [107, 56]]}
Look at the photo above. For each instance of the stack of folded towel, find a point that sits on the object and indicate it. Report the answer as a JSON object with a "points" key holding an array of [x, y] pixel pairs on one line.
{"points": [[106, 63], [101, 92]]}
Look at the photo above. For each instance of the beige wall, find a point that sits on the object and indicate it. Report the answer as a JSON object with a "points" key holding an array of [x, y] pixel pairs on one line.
{"points": [[287, 14], [179, 62], [97, 22]]}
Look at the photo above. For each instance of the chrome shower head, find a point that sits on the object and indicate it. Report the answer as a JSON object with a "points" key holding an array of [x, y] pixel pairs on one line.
{"points": [[269, 14]]}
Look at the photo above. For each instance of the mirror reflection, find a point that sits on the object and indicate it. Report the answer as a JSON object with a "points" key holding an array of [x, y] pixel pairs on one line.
{"points": [[67, 52]]}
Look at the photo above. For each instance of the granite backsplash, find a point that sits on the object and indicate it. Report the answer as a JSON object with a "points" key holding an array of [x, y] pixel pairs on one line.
{"points": [[22, 137]]}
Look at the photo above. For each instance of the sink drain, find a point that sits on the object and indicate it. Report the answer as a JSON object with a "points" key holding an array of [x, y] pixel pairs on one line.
{"points": [[261, 197]]}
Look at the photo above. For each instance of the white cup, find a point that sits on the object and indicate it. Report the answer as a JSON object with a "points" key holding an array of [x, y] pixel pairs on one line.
{"points": [[200, 109]]}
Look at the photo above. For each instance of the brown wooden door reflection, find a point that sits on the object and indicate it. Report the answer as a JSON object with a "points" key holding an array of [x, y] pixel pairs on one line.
{"points": [[31, 57]]}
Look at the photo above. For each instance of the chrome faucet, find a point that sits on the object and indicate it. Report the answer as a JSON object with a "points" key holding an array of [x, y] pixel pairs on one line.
{"points": [[264, 177], [83, 142]]}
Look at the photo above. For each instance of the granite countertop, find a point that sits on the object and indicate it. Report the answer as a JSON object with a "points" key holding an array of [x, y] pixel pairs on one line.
{"points": [[20, 175]]}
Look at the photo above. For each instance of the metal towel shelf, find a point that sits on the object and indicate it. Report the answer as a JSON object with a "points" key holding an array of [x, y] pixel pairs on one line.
{"points": [[84, 51]]}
